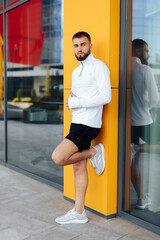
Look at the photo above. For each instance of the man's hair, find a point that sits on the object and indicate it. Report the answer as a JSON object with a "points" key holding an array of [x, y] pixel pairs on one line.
{"points": [[81, 34], [137, 43]]}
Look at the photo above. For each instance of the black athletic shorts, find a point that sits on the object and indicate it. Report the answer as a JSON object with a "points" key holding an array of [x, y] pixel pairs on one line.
{"points": [[148, 133], [82, 135]]}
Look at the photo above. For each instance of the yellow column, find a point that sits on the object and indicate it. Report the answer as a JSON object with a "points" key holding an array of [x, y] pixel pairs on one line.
{"points": [[101, 19], [1, 72]]}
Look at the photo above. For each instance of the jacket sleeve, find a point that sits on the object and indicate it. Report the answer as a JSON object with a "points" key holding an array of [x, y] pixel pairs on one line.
{"points": [[103, 95], [151, 87]]}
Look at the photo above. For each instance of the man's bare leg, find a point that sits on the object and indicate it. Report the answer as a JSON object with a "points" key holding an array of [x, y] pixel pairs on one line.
{"points": [[148, 148], [136, 177], [81, 183], [68, 153], [135, 173]]}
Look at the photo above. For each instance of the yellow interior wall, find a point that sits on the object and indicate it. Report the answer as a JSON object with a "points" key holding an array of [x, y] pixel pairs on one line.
{"points": [[101, 20]]}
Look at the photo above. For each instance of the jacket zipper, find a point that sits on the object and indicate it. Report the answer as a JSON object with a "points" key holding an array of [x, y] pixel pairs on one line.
{"points": [[81, 70]]}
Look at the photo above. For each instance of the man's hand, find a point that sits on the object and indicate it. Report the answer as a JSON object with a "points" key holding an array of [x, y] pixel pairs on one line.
{"points": [[72, 95]]}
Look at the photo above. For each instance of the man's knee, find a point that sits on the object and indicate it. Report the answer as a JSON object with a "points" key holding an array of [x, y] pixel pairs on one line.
{"points": [[79, 166], [58, 158]]}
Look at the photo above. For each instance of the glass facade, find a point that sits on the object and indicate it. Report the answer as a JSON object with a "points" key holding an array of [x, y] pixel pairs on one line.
{"points": [[11, 2], [1, 5], [145, 111], [35, 86], [1, 92]]}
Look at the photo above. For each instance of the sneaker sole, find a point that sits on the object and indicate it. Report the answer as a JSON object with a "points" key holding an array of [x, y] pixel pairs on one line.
{"points": [[73, 221], [103, 167], [144, 206]]}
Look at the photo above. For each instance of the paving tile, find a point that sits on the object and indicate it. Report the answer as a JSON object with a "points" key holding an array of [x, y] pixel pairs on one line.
{"points": [[58, 233], [100, 237], [28, 210], [41, 211], [2, 227], [120, 226], [93, 231], [20, 221], [12, 234], [141, 234]]}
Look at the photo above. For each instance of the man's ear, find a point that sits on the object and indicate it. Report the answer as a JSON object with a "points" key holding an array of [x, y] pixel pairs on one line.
{"points": [[91, 46]]}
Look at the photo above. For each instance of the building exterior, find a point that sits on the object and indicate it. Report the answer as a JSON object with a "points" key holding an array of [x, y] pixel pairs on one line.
{"points": [[38, 60]]}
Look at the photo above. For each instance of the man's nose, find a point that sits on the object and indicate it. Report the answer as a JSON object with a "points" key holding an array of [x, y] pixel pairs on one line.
{"points": [[79, 49]]}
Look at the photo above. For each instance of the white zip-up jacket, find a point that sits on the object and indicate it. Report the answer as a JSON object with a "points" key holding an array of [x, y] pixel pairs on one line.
{"points": [[91, 85], [144, 93]]}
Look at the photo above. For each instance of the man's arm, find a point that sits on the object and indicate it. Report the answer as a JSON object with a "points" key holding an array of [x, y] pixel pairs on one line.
{"points": [[71, 95], [151, 87]]}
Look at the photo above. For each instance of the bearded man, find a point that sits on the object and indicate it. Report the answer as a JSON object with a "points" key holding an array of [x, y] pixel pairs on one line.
{"points": [[91, 89]]}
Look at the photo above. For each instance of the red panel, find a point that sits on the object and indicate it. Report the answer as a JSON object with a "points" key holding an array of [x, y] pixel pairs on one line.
{"points": [[25, 37]]}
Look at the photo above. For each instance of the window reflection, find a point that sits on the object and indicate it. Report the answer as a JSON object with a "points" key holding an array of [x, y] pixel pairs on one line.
{"points": [[35, 86], [1, 93], [145, 111], [1, 5], [11, 2]]}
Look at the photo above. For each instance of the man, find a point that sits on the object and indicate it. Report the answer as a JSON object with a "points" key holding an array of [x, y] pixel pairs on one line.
{"points": [[144, 96], [90, 91]]}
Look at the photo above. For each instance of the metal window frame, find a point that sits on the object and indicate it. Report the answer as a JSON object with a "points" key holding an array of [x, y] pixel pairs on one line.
{"points": [[122, 121]]}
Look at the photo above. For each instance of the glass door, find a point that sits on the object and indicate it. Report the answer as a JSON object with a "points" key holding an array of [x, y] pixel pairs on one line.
{"points": [[142, 163]]}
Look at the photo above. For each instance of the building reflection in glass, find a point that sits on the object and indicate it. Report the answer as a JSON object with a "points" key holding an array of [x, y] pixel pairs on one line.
{"points": [[145, 109], [35, 86]]}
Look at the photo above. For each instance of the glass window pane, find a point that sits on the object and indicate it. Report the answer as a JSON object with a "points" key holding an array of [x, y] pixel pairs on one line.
{"points": [[35, 86], [11, 2], [145, 111], [1, 5], [1, 92]]}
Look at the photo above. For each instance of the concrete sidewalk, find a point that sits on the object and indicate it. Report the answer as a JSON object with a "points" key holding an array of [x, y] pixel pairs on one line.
{"points": [[28, 209]]}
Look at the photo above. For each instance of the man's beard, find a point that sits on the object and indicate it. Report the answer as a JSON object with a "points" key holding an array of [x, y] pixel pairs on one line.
{"points": [[82, 58], [144, 61]]}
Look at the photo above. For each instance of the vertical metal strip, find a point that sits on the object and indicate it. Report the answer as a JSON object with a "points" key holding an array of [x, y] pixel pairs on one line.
{"points": [[5, 80], [122, 103]]}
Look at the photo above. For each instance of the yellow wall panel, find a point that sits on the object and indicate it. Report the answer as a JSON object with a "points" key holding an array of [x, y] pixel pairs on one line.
{"points": [[90, 16], [68, 170], [101, 20], [67, 113], [114, 42], [112, 148]]}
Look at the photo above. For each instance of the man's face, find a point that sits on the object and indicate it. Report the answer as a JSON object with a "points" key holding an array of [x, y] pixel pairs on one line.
{"points": [[82, 48], [144, 54]]}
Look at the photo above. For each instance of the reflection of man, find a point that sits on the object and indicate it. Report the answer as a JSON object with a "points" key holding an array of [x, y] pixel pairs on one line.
{"points": [[144, 96], [90, 91]]}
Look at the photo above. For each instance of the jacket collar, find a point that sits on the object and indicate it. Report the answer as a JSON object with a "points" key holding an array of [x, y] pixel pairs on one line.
{"points": [[88, 59], [136, 60]]}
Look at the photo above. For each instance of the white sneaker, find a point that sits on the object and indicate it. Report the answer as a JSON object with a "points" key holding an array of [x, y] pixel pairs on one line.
{"points": [[98, 161], [143, 203], [72, 217], [133, 152]]}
